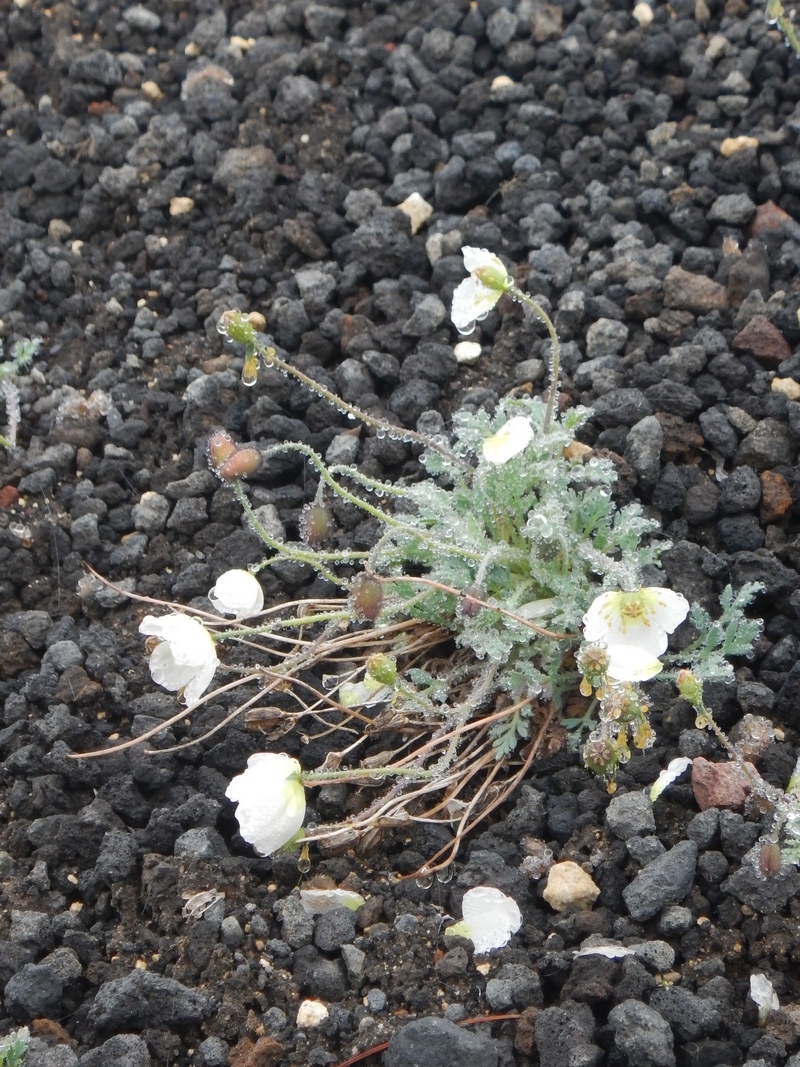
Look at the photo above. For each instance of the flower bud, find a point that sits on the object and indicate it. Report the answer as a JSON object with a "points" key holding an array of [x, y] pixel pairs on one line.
{"points": [[382, 668], [366, 597], [769, 859], [220, 447], [236, 327], [689, 687], [315, 524], [242, 463]]}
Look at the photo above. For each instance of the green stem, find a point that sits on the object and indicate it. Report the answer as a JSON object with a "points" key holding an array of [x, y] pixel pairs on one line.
{"points": [[272, 359], [297, 622], [319, 777], [555, 352], [284, 550], [776, 14]]}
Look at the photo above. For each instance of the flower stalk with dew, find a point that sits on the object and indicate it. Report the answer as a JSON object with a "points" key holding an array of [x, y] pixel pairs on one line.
{"points": [[475, 297], [777, 16]]}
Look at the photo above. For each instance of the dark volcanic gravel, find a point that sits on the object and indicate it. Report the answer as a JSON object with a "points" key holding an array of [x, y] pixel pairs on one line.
{"points": [[163, 163]]}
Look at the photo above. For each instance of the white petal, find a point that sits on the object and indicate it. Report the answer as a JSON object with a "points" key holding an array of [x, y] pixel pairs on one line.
{"points": [[271, 801], [472, 302], [363, 694], [189, 641], [201, 681], [475, 258], [509, 441], [318, 901], [629, 663], [672, 608], [237, 593], [165, 671], [490, 918], [673, 770], [764, 995]]}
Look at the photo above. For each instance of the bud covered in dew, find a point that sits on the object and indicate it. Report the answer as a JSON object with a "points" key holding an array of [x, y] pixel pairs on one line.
{"points": [[468, 605], [382, 668], [220, 447], [689, 687], [243, 462], [366, 597], [315, 524], [236, 326]]}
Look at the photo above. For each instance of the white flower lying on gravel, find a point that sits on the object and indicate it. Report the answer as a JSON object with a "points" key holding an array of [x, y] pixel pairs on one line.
{"points": [[271, 800], [475, 297], [511, 439], [634, 627], [764, 995], [237, 593], [490, 918], [185, 657]]}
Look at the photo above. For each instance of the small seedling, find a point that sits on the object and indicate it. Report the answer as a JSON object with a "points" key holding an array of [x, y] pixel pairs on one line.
{"points": [[14, 1047], [22, 353]]}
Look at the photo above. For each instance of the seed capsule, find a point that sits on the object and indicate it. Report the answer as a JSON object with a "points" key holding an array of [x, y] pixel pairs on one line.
{"points": [[220, 447], [315, 524], [366, 597], [242, 463]]}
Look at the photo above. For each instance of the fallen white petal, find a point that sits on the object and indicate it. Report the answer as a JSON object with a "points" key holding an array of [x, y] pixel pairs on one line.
{"points": [[627, 663], [764, 995], [490, 919], [673, 770]]}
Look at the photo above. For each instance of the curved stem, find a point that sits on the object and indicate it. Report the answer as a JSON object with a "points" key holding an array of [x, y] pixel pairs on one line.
{"points": [[555, 352]]}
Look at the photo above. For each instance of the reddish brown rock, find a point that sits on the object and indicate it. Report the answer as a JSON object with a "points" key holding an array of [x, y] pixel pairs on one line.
{"points": [[679, 435], [76, 687], [9, 495], [693, 292], [16, 655], [776, 497], [761, 339], [767, 217], [719, 785]]}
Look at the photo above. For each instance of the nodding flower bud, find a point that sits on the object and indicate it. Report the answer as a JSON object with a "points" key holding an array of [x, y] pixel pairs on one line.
{"points": [[366, 597], [220, 447], [315, 524], [769, 859], [243, 462], [236, 326], [382, 668]]}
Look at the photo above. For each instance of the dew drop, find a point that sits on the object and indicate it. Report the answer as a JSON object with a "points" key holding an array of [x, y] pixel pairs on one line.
{"points": [[425, 880], [445, 876], [304, 860], [380, 434], [350, 415]]}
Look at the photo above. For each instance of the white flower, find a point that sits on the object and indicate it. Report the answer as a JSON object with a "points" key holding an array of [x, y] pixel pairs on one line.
{"points": [[765, 997], [237, 593], [627, 663], [185, 657], [318, 901], [490, 919], [641, 619], [477, 295], [271, 801], [511, 439], [674, 769]]}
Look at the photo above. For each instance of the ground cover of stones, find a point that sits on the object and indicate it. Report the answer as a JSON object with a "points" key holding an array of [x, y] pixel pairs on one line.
{"points": [[161, 164]]}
